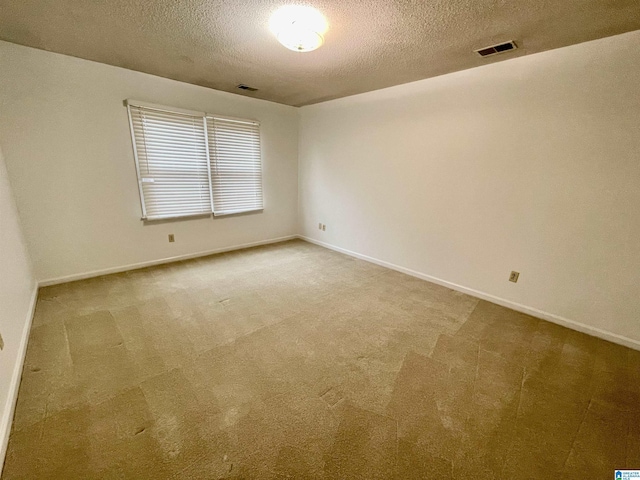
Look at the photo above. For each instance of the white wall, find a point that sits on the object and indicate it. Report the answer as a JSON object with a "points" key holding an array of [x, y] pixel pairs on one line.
{"points": [[66, 141], [532, 164], [529, 165], [17, 295]]}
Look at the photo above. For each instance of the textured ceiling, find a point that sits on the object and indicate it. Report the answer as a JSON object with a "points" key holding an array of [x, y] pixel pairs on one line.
{"points": [[370, 44]]}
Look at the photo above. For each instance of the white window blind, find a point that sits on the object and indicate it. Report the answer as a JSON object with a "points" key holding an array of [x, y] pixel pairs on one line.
{"points": [[236, 169], [194, 164], [172, 163]]}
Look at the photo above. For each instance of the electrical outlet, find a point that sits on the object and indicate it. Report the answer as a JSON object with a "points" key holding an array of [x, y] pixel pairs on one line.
{"points": [[172, 238], [324, 227], [514, 277], [320, 226], [1, 342]]}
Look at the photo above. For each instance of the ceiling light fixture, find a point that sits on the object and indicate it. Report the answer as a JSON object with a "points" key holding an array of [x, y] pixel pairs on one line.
{"points": [[298, 28]]}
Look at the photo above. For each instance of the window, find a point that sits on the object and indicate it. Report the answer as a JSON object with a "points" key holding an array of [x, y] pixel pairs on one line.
{"points": [[236, 171], [192, 163]]}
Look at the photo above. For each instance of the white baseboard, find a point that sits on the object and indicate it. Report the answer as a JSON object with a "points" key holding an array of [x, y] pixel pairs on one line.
{"points": [[551, 317], [9, 408], [151, 263]]}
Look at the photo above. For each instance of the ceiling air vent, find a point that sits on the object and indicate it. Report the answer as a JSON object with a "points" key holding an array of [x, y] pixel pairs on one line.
{"points": [[242, 86], [496, 49]]}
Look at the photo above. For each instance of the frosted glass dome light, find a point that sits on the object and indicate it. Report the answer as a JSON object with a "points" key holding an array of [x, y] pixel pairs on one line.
{"points": [[298, 28]]}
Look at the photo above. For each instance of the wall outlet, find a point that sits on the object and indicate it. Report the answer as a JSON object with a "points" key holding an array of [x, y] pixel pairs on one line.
{"points": [[324, 227], [172, 238], [514, 277], [1, 342]]}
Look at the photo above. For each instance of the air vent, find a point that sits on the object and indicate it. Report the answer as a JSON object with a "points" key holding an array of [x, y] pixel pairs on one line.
{"points": [[242, 86], [496, 49]]}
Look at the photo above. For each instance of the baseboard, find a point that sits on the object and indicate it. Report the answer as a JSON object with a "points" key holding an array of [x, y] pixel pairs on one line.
{"points": [[151, 263], [565, 322], [7, 413]]}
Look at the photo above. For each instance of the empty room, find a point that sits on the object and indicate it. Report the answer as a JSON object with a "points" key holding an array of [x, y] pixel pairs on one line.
{"points": [[320, 240]]}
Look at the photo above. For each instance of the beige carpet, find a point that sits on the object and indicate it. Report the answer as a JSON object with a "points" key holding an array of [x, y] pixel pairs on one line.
{"points": [[292, 361]]}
